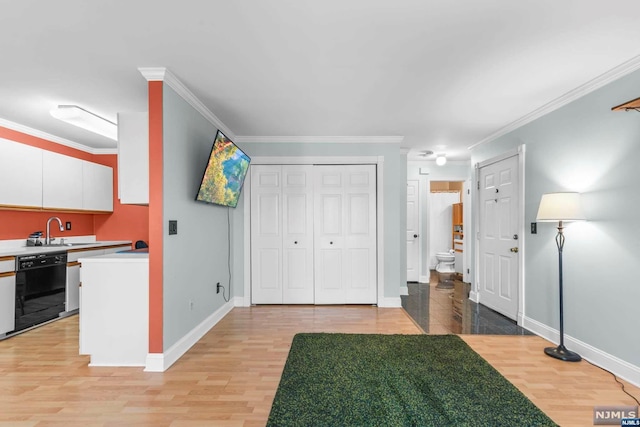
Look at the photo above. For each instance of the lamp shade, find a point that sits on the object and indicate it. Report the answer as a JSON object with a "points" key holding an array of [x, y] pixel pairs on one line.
{"points": [[560, 207]]}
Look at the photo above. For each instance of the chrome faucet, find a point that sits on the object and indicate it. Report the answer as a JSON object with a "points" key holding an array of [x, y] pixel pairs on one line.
{"points": [[48, 239]]}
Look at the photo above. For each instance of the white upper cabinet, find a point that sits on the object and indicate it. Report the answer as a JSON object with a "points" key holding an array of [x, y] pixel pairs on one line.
{"points": [[133, 158], [61, 181], [20, 175], [34, 178], [97, 188]]}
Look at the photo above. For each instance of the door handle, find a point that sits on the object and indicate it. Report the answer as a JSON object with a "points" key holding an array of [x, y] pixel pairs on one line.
{"points": [[415, 236], [515, 250]]}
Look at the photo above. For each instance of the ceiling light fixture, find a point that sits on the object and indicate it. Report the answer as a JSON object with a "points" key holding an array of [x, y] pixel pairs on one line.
{"points": [[86, 120], [441, 160]]}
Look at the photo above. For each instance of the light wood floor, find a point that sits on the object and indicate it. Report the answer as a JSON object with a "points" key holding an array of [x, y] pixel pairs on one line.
{"points": [[230, 377]]}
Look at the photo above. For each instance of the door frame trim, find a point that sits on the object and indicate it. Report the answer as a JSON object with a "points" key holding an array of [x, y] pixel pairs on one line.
{"points": [[319, 160], [474, 295]]}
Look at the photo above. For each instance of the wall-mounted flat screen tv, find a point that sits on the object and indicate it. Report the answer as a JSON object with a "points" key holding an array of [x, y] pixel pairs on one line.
{"points": [[225, 172]]}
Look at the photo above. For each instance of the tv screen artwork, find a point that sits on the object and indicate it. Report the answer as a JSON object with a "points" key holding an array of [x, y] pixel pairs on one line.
{"points": [[224, 174]]}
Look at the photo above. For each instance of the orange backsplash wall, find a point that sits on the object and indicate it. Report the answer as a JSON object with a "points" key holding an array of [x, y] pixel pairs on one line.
{"points": [[18, 225], [127, 222]]}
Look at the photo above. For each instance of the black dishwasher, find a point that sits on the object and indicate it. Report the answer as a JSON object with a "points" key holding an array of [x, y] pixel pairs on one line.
{"points": [[40, 288]]}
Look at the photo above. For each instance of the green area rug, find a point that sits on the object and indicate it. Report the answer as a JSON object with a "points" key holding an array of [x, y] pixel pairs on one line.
{"points": [[395, 380]]}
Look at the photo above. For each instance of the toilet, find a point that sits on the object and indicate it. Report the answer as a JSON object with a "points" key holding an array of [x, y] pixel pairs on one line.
{"points": [[446, 261], [445, 269]]}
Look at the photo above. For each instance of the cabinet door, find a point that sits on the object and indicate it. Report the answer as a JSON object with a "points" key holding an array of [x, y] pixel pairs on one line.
{"points": [[73, 286], [97, 189], [20, 175], [7, 302], [61, 181], [133, 158]]}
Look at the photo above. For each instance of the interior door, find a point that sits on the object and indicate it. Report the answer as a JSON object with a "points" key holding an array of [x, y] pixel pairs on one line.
{"points": [[413, 241], [345, 234], [266, 234], [498, 246], [297, 237]]}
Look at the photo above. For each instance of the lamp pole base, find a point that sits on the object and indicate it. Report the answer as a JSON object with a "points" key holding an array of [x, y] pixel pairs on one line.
{"points": [[562, 353]]}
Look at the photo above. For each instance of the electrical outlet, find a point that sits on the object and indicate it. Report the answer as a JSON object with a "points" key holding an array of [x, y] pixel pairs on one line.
{"points": [[68, 225], [218, 286]]}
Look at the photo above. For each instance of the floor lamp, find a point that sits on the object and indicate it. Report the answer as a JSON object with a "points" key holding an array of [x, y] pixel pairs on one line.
{"points": [[560, 207]]}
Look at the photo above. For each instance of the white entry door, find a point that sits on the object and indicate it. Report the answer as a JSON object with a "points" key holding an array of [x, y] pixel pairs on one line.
{"points": [[498, 246], [345, 234], [413, 225], [281, 234]]}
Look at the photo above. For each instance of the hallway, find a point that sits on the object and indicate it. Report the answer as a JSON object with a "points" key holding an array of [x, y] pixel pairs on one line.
{"points": [[449, 311]]}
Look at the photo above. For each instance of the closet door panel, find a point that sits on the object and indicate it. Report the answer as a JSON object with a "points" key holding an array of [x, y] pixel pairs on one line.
{"points": [[329, 234], [297, 240], [266, 235], [360, 234]]}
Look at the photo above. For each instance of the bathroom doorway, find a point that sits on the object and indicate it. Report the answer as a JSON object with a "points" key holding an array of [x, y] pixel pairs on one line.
{"points": [[446, 223]]}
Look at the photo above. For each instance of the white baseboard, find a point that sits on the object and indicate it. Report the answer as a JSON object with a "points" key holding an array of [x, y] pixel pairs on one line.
{"points": [[241, 302], [474, 296], [160, 362], [619, 367], [394, 302], [404, 290], [423, 279]]}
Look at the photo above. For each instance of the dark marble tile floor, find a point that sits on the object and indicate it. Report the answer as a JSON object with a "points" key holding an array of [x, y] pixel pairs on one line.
{"points": [[449, 311]]}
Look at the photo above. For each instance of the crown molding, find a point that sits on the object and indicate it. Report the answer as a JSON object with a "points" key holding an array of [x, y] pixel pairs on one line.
{"points": [[166, 76], [321, 139], [602, 80], [404, 151], [49, 137]]}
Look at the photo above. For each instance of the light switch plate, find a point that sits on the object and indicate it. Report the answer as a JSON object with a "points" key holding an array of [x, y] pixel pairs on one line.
{"points": [[173, 226]]}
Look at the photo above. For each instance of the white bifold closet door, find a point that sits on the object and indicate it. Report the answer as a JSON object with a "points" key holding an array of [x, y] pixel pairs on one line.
{"points": [[282, 234], [345, 234]]}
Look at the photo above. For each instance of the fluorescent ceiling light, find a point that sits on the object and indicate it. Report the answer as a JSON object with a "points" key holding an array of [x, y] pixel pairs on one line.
{"points": [[86, 120]]}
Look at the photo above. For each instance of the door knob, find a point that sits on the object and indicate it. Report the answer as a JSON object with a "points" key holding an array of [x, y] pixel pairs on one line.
{"points": [[514, 250], [295, 243], [415, 236], [331, 243]]}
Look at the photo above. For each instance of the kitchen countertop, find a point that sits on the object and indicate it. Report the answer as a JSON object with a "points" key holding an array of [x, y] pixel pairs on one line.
{"points": [[29, 250], [118, 257]]}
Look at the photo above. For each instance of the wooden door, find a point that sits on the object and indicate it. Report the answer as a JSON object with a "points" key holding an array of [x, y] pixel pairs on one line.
{"points": [[413, 226], [498, 281], [345, 234]]}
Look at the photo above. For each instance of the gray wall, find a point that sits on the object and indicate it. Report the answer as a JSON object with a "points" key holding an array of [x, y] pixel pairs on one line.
{"points": [[394, 211], [585, 147], [196, 258]]}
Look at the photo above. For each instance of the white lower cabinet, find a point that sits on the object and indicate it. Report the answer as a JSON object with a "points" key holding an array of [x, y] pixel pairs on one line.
{"points": [[7, 302], [73, 286]]}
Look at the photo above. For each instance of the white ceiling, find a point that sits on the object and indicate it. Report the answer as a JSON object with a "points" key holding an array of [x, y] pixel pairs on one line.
{"points": [[441, 74]]}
